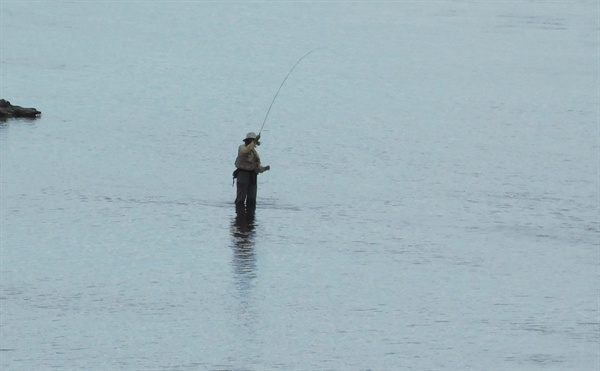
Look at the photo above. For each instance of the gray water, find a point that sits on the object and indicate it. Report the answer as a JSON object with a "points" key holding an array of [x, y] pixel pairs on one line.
{"points": [[433, 201]]}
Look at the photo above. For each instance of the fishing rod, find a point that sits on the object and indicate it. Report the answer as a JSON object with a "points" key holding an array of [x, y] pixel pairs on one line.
{"points": [[280, 86]]}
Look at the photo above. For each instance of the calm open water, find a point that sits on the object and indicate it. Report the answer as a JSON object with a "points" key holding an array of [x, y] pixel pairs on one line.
{"points": [[433, 201]]}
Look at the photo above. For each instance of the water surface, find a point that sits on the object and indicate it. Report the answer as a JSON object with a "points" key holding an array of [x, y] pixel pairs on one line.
{"points": [[432, 203]]}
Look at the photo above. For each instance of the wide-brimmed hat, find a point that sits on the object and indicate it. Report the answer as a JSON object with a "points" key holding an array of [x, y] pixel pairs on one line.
{"points": [[251, 135]]}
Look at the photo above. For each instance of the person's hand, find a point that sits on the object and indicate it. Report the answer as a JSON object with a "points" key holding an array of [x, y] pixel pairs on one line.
{"points": [[257, 140], [267, 167]]}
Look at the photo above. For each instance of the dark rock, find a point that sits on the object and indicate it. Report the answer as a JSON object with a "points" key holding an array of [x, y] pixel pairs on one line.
{"points": [[7, 110]]}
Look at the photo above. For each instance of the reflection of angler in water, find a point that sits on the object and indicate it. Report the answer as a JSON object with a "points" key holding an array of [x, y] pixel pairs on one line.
{"points": [[242, 231], [243, 262]]}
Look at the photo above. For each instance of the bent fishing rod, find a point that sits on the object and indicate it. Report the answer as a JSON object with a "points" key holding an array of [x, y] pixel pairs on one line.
{"points": [[280, 86]]}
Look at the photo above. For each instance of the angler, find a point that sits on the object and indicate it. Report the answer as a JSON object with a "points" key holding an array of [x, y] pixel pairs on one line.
{"points": [[247, 168], [247, 163]]}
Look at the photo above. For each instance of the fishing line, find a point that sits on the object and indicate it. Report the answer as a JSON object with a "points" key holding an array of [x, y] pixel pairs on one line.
{"points": [[280, 86]]}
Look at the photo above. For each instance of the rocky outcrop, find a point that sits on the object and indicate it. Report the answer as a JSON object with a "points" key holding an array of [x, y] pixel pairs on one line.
{"points": [[7, 110]]}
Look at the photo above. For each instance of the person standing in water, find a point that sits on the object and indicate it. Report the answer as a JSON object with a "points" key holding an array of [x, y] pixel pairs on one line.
{"points": [[248, 167]]}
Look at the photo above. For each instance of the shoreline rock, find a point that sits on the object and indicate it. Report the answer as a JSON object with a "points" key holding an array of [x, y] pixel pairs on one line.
{"points": [[8, 110]]}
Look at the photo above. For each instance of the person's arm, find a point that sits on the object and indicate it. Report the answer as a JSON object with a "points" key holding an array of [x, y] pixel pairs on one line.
{"points": [[262, 169], [247, 149]]}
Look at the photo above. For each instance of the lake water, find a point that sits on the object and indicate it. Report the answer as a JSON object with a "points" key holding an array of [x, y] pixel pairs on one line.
{"points": [[433, 201]]}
